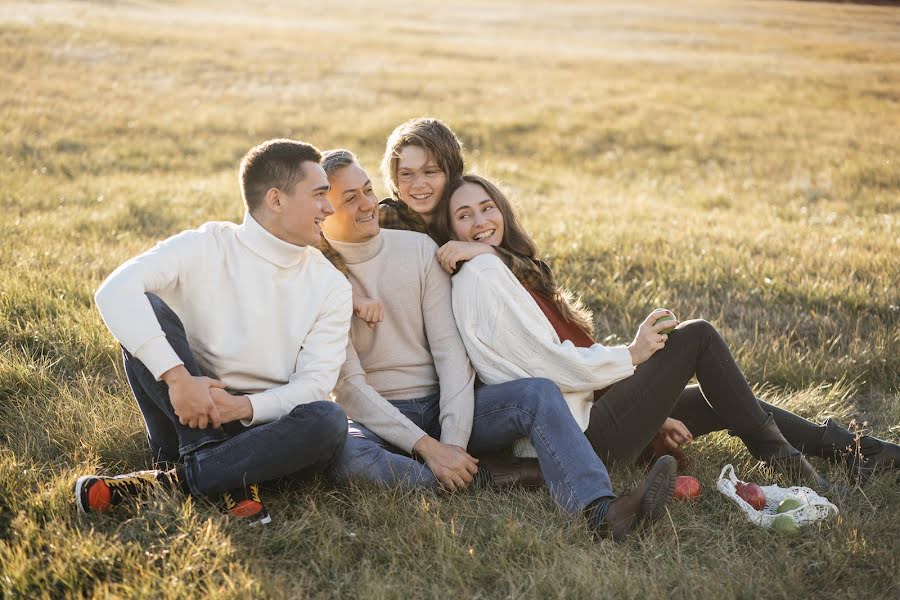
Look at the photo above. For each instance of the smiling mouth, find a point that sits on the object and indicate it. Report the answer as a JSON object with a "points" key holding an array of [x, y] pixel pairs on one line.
{"points": [[319, 221], [366, 219], [484, 234], [421, 196]]}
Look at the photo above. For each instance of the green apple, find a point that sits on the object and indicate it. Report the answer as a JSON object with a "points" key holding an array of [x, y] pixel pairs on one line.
{"points": [[668, 317], [785, 524], [788, 504]]}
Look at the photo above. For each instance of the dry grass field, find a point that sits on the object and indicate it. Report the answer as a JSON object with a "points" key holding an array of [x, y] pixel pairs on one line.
{"points": [[734, 161]]}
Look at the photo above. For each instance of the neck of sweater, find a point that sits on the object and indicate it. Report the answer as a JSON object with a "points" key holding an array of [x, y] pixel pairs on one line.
{"points": [[360, 252], [262, 243]]}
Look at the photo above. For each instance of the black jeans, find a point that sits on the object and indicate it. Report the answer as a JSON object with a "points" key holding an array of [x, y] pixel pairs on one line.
{"points": [[307, 439], [628, 416]]}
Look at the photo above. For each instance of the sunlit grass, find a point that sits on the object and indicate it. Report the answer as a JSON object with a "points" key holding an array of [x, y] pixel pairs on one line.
{"points": [[736, 163]]}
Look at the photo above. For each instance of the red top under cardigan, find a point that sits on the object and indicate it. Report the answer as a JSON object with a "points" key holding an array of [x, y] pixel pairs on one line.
{"points": [[566, 330]]}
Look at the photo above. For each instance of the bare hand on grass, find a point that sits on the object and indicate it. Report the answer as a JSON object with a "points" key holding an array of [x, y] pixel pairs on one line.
{"points": [[453, 466], [675, 433]]}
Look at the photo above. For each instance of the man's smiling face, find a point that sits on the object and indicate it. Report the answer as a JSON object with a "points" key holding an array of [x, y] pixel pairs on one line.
{"points": [[355, 217]]}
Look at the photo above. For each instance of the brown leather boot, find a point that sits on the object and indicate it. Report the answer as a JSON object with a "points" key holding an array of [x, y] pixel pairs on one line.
{"points": [[767, 444], [639, 506], [509, 472]]}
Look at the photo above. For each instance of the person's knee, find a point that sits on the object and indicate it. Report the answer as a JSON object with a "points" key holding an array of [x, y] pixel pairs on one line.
{"points": [[330, 420], [544, 392], [696, 329]]}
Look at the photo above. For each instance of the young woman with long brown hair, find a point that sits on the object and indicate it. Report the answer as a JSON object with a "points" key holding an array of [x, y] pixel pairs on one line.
{"points": [[623, 396]]}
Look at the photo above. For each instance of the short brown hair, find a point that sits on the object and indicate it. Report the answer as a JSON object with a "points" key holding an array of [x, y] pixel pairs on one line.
{"points": [[273, 164], [430, 134]]}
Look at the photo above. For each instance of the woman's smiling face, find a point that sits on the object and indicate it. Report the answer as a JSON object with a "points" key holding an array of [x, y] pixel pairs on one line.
{"points": [[475, 217], [420, 181]]}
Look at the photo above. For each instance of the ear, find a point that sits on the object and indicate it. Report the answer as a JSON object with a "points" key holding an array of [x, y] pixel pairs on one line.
{"points": [[273, 200]]}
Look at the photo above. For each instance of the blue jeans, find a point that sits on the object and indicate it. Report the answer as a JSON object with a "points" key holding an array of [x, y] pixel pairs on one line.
{"points": [[308, 439], [532, 408]]}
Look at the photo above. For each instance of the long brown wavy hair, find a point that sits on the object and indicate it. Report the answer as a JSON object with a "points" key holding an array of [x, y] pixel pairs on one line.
{"points": [[516, 240]]}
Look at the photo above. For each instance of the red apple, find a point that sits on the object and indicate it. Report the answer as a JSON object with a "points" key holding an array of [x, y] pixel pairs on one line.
{"points": [[752, 494], [686, 488]]}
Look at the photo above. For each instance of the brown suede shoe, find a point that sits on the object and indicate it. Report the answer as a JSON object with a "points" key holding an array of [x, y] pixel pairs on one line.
{"points": [[641, 505], [509, 472]]}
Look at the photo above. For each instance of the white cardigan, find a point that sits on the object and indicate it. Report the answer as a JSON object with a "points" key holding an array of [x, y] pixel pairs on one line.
{"points": [[507, 336]]}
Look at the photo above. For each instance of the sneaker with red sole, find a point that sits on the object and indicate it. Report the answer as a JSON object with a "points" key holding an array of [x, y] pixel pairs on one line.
{"points": [[96, 493], [245, 503]]}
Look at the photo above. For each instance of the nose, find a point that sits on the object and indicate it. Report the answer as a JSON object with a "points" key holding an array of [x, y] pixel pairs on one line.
{"points": [[327, 208], [369, 202], [416, 179], [479, 219]]}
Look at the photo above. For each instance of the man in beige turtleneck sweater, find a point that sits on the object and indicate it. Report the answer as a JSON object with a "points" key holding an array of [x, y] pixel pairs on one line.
{"points": [[410, 390]]}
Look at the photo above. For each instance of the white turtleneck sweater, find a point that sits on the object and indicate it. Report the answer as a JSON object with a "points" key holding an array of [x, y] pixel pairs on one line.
{"points": [[268, 318], [415, 351]]}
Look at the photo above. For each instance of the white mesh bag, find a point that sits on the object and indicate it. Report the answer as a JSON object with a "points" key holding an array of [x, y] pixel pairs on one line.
{"points": [[813, 507]]}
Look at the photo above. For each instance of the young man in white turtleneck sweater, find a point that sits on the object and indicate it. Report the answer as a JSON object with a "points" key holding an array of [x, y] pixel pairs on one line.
{"points": [[410, 390], [233, 337]]}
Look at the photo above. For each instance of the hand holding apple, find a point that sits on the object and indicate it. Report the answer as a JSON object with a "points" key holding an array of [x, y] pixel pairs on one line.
{"points": [[669, 317]]}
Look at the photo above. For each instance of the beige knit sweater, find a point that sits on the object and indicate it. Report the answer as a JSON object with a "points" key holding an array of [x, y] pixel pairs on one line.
{"points": [[415, 351]]}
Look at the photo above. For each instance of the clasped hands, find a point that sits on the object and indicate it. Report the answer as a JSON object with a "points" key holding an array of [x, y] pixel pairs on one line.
{"points": [[201, 402]]}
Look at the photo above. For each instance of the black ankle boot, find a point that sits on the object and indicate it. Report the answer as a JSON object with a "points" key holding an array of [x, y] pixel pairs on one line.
{"points": [[837, 442], [864, 455]]}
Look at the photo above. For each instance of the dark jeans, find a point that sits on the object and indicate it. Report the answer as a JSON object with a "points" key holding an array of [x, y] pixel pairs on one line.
{"points": [[532, 408], [216, 460], [628, 416]]}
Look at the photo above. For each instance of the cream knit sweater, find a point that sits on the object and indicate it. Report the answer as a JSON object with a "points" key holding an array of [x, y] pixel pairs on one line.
{"points": [[508, 337], [264, 316], [415, 351]]}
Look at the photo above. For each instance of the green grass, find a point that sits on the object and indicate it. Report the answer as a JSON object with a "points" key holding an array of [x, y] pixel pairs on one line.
{"points": [[737, 163]]}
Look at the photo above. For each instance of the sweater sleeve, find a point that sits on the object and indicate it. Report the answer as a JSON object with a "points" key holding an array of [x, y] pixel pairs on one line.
{"points": [[498, 309], [318, 362], [455, 373], [125, 308], [363, 404]]}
